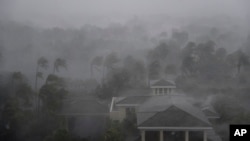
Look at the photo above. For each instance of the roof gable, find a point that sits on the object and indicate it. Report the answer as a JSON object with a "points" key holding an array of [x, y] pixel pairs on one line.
{"points": [[173, 117], [158, 104], [163, 82]]}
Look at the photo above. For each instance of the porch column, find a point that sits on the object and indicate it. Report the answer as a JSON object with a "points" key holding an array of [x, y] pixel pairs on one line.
{"points": [[186, 136], [163, 92], [204, 135], [161, 135], [142, 135]]}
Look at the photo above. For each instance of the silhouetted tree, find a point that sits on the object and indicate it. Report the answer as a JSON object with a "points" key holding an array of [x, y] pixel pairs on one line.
{"points": [[96, 62], [59, 63]]}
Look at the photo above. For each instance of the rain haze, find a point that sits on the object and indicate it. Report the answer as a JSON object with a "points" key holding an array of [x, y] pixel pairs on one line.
{"points": [[123, 70]]}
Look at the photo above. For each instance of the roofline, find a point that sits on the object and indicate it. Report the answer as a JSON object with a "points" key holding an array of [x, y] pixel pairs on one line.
{"points": [[175, 128], [127, 105], [163, 87], [217, 117], [81, 114]]}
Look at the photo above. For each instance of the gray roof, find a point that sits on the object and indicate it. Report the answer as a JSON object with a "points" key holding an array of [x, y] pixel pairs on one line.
{"points": [[133, 100], [157, 104], [173, 117], [81, 106], [163, 82]]}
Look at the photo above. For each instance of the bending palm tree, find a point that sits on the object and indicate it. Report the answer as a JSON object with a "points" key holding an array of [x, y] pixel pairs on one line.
{"points": [[41, 63], [96, 62], [59, 63]]}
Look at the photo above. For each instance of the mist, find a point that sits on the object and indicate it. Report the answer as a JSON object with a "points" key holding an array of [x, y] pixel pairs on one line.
{"points": [[72, 66], [76, 13]]}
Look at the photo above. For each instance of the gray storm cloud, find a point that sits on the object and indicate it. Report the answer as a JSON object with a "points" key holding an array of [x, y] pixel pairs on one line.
{"points": [[78, 12]]}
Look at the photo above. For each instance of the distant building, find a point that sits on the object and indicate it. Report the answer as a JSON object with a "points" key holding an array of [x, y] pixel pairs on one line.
{"points": [[165, 115]]}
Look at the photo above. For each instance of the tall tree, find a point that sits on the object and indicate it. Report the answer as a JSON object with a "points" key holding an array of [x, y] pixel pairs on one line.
{"points": [[41, 63], [96, 62], [243, 60], [109, 62], [59, 63]]}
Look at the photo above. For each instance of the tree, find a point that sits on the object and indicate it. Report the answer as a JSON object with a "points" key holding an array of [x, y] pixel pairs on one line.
{"points": [[41, 63], [159, 53], [114, 132], [242, 60], [52, 94], [111, 60], [154, 70], [136, 69], [59, 63], [96, 62], [170, 69], [17, 77]]}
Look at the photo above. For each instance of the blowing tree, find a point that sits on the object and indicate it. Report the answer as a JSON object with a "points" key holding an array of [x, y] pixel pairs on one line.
{"points": [[41, 63], [59, 63], [95, 63]]}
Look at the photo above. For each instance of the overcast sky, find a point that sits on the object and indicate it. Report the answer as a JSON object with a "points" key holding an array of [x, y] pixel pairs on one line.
{"points": [[77, 12]]}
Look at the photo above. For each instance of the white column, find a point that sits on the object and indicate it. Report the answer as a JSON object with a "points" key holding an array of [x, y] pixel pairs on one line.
{"points": [[186, 136], [204, 135], [163, 92], [143, 135], [161, 135]]}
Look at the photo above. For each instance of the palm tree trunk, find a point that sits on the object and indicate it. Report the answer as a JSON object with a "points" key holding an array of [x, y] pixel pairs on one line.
{"points": [[103, 71], [91, 71], [37, 97]]}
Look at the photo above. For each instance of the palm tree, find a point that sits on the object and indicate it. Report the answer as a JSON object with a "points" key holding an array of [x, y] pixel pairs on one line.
{"points": [[59, 63], [243, 60], [41, 63], [109, 62]]}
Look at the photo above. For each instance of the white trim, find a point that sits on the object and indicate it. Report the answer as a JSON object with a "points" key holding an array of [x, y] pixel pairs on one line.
{"points": [[112, 104], [175, 128]]}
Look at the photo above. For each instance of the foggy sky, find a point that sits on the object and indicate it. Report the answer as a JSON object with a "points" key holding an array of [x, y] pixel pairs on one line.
{"points": [[71, 13]]}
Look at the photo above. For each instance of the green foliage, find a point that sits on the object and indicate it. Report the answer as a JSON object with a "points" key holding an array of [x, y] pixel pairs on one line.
{"points": [[114, 132], [111, 60], [204, 61], [154, 69], [171, 69], [136, 69], [52, 94], [160, 52], [117, 80]]}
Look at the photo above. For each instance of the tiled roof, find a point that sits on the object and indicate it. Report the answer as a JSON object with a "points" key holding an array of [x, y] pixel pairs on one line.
{"points": [[163, 82]]}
